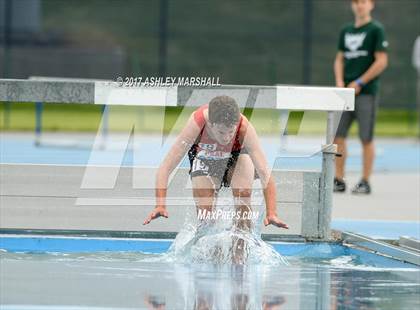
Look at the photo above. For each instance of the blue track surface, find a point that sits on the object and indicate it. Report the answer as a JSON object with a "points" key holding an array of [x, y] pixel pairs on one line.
{"points": [[391, 156], [379, 229]]}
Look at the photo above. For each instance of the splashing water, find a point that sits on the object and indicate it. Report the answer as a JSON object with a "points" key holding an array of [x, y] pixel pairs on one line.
{"points": [[221, 242]]}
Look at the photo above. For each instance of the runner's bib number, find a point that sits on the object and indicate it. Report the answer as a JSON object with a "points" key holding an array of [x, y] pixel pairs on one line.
{"points": [[199, 165]]}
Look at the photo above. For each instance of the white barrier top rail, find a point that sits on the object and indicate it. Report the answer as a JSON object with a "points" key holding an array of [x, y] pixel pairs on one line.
{"points": [[112, 93]]}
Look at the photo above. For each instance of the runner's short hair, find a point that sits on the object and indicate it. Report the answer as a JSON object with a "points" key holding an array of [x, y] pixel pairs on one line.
{"points": [[224, 110]]}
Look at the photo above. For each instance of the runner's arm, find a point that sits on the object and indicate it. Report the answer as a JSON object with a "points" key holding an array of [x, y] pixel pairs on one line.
{"points": [[182, 144], [178, 150], [252, 145]]}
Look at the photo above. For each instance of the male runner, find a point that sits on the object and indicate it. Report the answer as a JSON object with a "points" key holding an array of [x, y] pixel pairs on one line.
{"points": [[224, 150], [360, 60]]}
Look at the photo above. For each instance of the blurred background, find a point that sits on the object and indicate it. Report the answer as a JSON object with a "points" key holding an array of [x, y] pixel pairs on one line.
{"points": [[257, 42], [243, 42]]}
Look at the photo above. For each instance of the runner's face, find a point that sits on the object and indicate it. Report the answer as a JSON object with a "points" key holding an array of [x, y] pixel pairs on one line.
{"points": [[222, 133], [362, 8]]}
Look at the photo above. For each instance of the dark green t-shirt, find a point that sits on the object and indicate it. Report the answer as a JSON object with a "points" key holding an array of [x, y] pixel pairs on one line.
{"points": [[359, 46]]}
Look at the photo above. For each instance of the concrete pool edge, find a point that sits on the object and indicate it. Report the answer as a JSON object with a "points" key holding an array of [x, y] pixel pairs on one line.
{"points": [[36, 244], [383, 248], [125, 234]]}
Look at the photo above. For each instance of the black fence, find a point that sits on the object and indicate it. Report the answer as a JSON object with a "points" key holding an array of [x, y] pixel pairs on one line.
{"points": [[242, 42]]}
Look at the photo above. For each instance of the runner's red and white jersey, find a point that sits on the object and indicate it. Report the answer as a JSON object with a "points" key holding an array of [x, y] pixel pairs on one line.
{"points": [[210, 149]]}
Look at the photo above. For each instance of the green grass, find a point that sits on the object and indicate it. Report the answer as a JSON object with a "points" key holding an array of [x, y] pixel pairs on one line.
{"points": [[87, 118]]}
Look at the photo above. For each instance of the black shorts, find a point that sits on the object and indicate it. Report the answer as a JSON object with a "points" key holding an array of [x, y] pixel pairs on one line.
{"points": [[221, 169], [365, 113]]}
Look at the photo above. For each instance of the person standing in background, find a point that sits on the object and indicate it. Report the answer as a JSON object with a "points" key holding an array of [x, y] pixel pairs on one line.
{"points": [[361, 58], [416, 64]]}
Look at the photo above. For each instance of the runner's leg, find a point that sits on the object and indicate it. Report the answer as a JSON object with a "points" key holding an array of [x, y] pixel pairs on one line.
{"points": [[204, 192], [242, 178]]}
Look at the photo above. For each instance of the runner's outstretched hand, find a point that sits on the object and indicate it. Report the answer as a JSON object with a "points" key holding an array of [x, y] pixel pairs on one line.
{"points": [[157, 212], [274, 220]]}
